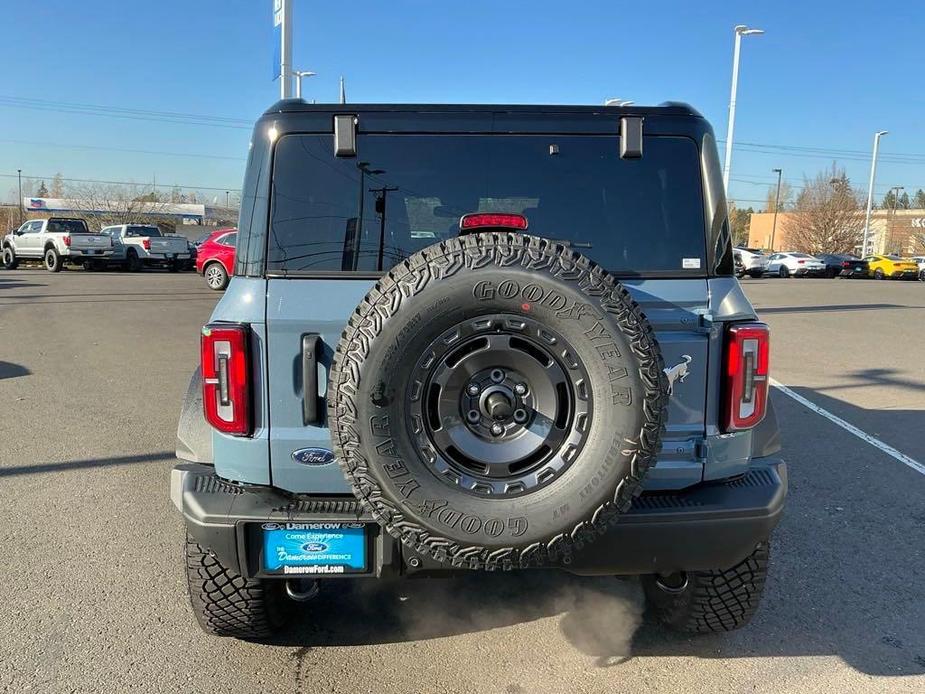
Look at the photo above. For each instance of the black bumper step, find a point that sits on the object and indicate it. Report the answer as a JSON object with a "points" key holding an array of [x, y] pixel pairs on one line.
{"points": [[710, 526]]}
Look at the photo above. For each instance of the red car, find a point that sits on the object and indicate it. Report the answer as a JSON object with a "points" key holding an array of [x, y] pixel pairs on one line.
{"points": [[215, 257]]}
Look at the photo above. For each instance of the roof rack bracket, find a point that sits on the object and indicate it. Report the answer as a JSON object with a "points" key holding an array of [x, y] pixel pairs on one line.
{"points": [[345, 135], [631, 137]]}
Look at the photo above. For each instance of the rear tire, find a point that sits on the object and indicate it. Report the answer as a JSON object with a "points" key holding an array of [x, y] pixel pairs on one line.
{"points": [[227, 604], [10, 261], [216, 276], [708, 602], [132, 261], [52, 260], [784, 271]]}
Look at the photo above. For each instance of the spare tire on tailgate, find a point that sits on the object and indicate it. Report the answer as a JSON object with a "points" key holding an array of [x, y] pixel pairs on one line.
{"points": [[496, 400]]}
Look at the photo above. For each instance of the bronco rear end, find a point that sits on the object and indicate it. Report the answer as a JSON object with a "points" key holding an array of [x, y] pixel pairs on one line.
{"points": [[478, 338]]}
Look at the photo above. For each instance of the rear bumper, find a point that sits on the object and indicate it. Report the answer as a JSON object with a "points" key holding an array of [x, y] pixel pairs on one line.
{"points": [[711, 526], [74, 253]]}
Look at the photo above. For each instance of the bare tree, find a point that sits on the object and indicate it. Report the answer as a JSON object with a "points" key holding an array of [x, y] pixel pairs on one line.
{"points": [[116, 204], [827, 216], [786, 192], [57, 186], [739, 221]]}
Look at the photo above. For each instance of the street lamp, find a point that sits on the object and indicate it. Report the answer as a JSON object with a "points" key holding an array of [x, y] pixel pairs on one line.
{"points": [[299, 74], [776, 205], [741, 30], [870, 189]]}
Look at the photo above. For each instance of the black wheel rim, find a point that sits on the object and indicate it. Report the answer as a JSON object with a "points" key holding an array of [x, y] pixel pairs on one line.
{"points": [[500, 405]]}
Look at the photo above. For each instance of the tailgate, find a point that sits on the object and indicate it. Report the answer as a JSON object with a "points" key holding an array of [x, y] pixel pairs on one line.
{"points": [[90, 242], [673, 306], [168, 244]]}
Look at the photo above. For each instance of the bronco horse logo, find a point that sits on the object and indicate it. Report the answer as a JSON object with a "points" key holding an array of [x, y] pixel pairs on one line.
{"points": [[678, 372]]}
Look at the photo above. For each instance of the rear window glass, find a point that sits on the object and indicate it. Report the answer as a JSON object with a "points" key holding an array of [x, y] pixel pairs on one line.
{"points": [[405, 192], [67, 226], [142, 231]]}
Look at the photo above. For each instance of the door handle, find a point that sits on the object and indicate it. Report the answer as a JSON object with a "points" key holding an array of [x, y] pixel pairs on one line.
{"points": [[311, 407]]}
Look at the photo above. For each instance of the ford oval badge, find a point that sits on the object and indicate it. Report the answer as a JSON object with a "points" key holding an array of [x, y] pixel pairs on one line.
{"points": [[313, 456], [314, 547]]}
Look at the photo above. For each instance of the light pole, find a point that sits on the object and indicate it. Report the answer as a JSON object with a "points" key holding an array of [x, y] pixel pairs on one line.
{"points": [[776, 206], [870, 189], [299, 74], [19, 176], [741, 30]]}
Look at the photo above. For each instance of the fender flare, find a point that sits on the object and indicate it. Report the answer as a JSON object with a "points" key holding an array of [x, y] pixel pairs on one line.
{"points": [[194, 435]]}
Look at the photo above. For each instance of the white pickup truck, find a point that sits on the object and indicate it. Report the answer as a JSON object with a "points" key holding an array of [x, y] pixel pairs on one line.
{"points": [[56, 241], [138, 245]]}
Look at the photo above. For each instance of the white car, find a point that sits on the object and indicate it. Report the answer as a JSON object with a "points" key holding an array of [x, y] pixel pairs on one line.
{"points": [[920, 261], [138, 245], [794, 264], [754, 261], [56, 241]]}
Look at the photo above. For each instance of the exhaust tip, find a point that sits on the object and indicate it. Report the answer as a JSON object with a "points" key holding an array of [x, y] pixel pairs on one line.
{"points": [[302, 589]]}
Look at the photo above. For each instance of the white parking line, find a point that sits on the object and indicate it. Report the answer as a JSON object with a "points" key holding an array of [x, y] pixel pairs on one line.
{"points": [[850, 428]]}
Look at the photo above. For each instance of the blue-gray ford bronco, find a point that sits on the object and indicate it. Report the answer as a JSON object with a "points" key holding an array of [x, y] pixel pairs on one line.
{"points": [[480, 338]]}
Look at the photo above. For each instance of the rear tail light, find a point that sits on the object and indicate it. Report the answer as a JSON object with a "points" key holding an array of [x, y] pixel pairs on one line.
{"points": [[845, 263], [480, 220], [146, 244], [226, 389], [801, 262], [66, 240], [745, 387]]}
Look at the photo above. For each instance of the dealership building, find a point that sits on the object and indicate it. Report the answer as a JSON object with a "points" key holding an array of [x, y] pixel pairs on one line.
{"points": [[891, 231], [177, 213]]}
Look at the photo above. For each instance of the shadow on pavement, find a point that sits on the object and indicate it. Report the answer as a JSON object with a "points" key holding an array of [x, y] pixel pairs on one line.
{"points": [[39, 468], [875, 377], [11, 370], [845, 578], [77, 299]]}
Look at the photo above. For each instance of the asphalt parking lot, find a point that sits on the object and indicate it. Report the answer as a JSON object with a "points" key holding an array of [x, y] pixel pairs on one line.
{"points": [[92, 371]]}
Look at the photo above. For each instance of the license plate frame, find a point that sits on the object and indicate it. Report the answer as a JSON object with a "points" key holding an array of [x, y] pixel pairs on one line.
{"points": [[315, 548]]}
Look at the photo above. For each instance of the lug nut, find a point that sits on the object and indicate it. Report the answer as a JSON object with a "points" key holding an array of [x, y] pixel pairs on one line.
{"points": [[497, 375], [473, 416], [497, 429], [520, 416], [473, 389], [520, 388]]}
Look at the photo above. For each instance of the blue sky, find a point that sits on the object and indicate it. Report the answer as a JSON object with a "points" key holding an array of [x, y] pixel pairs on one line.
{"points": [[826, 75]]}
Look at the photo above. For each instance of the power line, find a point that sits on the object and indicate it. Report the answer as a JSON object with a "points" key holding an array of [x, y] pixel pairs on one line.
{"points": [[123, 149], [125, 183], [176, 118]]}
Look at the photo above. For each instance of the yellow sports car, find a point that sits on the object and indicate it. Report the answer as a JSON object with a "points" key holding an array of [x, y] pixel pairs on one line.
{"points": [[883, 266]]}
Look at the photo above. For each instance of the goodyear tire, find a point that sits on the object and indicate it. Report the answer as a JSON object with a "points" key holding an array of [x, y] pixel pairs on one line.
{"points": [[227, 604], [496, 400]]}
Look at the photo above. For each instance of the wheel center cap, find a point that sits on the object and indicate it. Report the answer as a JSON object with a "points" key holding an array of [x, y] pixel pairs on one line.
{"points": [[498, 406]]}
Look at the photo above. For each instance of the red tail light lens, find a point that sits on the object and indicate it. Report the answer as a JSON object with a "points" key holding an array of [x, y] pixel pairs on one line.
{"points": [[481, 220], [146, 244], [845, 263], [745, 390], [66, 240], [226, 390], [801, 262]]}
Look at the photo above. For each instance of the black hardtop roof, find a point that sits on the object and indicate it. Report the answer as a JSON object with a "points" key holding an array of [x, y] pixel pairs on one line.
{"points": [[296, 115], [668, 108]]}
